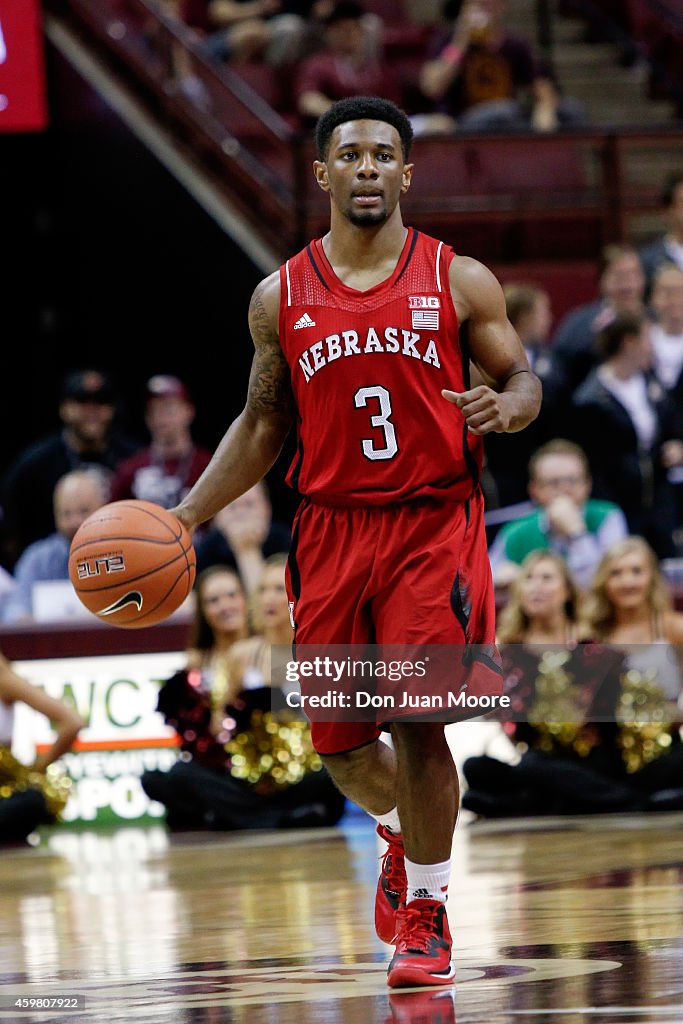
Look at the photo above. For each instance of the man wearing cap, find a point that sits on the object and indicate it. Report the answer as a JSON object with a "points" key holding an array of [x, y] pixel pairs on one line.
{"points": [[164, 471], [87, 408]]}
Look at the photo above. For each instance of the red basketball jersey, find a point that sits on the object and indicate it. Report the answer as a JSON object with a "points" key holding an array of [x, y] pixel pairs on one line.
{"points": [[367, 371]]}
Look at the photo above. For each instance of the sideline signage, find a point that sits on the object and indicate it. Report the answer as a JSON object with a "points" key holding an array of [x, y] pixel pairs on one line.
{"points": [[124, 735]]}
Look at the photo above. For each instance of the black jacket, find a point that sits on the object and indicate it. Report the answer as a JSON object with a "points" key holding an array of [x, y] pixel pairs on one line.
{"points": [[623, 470]]}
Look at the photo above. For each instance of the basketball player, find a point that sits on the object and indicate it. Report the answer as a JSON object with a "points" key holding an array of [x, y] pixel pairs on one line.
{"points": [[359, 340]]}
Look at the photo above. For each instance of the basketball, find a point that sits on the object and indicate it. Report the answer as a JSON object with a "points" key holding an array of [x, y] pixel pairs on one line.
{"points": [[132, 563]]}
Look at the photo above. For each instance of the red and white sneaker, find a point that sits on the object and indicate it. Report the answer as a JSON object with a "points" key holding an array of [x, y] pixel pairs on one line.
{"points": [[423, 946], [391, 886]]}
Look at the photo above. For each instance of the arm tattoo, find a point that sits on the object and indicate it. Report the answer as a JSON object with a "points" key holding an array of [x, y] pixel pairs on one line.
{"points": [[270, 391]]}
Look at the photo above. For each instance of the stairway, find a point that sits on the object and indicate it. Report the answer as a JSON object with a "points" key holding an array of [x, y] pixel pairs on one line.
{"points": [[613, 96]]}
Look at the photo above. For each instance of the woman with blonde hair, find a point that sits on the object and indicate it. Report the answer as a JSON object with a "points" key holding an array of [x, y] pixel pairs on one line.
{"points": [[192, 701], [563, 691], [629, 606], [628, 601], [241, 766], [250, 658], [543, 604], [292, 775]]}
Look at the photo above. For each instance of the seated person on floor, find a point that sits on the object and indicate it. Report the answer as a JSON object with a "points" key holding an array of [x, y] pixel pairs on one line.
{"points": [[241, 766]]}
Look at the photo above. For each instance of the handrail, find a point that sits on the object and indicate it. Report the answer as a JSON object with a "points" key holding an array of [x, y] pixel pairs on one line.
{"points": [[184, 35], [263, 165], [214, 113]]}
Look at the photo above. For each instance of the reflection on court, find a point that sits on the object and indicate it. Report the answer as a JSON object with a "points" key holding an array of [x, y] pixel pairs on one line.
{"points": [[553, 920]]}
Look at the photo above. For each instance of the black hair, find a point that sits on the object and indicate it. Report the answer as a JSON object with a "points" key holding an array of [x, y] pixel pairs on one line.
{"points": [[362, 108], [450, 10], [671, 184], [345, 10], [612, 336]]}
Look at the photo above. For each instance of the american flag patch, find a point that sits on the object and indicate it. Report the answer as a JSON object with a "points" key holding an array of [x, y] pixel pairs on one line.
{"points": [[425, 319]]}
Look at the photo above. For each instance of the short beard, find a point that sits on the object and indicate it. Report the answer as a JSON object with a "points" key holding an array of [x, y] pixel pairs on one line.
{"points": [[368, 218]]}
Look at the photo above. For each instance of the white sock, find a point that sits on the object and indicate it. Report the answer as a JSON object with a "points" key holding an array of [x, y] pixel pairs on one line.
{"points": [[390, 820], [427, 881]]}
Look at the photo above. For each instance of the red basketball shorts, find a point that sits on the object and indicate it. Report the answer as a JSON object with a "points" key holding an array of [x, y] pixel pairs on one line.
{"points": [[410, 573]]}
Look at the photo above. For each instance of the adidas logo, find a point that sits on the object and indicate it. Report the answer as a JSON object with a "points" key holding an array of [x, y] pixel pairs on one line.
{"points": [[421, 894], [304, 321]]}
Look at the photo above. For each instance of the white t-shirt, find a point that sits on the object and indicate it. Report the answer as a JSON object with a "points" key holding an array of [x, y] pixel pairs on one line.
{"points": [[668, 349], [632, 394], [674, 250]]}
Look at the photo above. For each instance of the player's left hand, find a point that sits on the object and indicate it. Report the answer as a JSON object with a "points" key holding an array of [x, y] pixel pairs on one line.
{"points": [[484, 409]]}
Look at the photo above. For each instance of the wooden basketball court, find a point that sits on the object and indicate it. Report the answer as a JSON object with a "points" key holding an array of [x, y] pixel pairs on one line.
{"points": [[560, 920]]}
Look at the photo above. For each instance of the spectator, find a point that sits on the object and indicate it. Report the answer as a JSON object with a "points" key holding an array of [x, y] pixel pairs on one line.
{"points": [[165, 470], [77, 495], [7, 585], [622, 290], [529, 312], [666, 333], [220, 707], [28, 798], [668, 248], [567, 521], [243, 535], [579, 752], [192, 699], [565, 693], [629, 606], [316, 29], [487, 79], [239, 31], [621, 418], [314, 800], [667, 343], [344, 68], [88, 437]]}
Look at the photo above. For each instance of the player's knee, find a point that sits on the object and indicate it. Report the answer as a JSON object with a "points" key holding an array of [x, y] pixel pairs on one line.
{"points": [[351, 766]]}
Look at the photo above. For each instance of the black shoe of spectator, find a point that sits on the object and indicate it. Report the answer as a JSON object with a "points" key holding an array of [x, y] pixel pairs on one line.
{"points": [[512, 805], [306, 816], [665, 800]]}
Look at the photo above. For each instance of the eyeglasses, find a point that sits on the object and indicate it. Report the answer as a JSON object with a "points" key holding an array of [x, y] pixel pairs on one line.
{"points": [[557, 481]]}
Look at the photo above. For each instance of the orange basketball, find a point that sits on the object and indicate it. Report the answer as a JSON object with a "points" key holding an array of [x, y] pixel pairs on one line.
{"points": [[132, 563]]}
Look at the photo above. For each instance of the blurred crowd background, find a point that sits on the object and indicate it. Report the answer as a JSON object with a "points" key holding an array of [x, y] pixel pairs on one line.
{"points": [[126, 311]]}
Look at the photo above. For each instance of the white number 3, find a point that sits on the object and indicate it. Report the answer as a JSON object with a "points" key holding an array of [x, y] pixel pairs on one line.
{"points": [[382, 421]]}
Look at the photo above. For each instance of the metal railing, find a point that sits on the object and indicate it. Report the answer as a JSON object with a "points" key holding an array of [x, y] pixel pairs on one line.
{"points": [[583, 186]]}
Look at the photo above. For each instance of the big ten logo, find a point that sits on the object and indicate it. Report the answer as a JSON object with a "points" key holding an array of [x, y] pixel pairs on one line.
{"points": [[424, 302], [96, 566]]}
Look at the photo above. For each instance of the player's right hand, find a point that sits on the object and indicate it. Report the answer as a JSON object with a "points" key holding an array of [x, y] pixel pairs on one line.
{"points": [[184, 517]]}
